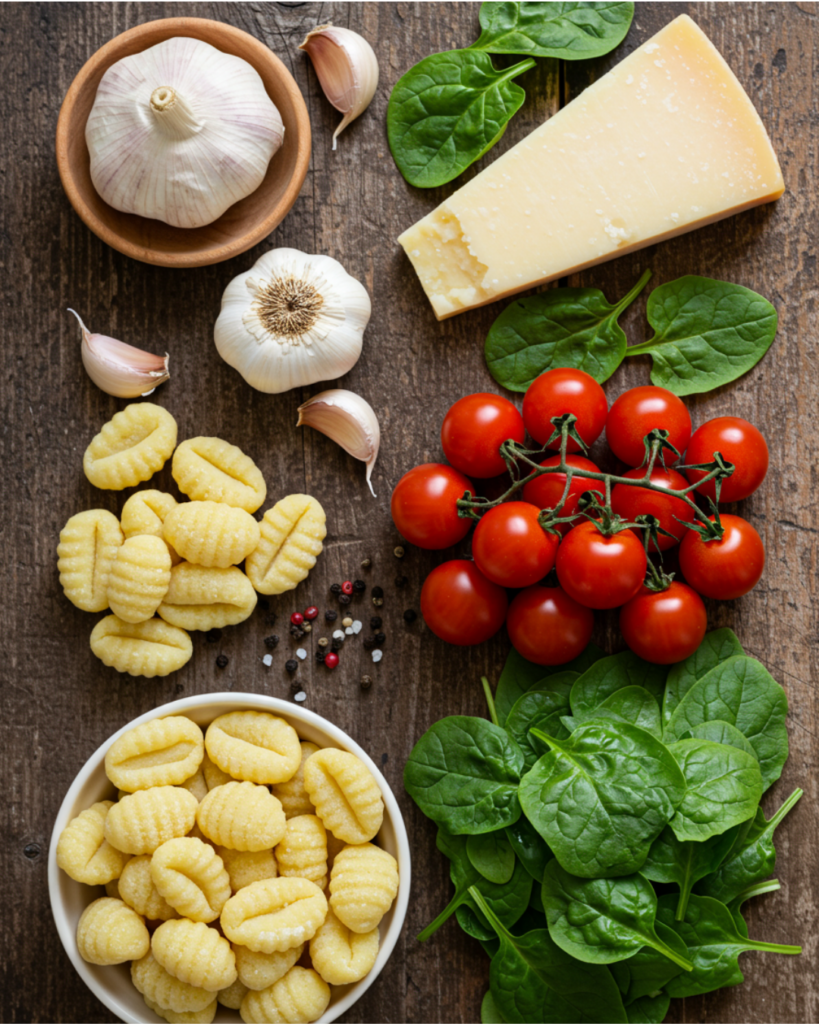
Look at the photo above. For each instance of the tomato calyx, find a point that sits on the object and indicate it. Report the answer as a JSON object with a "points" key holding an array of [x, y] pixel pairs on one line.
{"points": [[656, 444], [564, 429], [709, 528]]}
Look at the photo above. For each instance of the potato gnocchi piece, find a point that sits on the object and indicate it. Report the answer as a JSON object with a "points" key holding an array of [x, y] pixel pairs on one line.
{"points": [[133, 445], [246, 866], [137, 889], [205, 1016], [232, 996], [261, 970], [191, 876], [214, 776], [195, 953], [112, 889], [89, 542], [302, 853], [274, 915], [210, 469], [211, 533], [152, 648], [363, 884], [334, 848], [301, 996], [144, 513], [202, 597], [84, 853], [152, 980], [162, 752], [242, 816], [254, 745], [292, 795], [143, 821], [291, 536], [139, 578], [196, 784], [341, 956], [345, 794], [109, 932]]}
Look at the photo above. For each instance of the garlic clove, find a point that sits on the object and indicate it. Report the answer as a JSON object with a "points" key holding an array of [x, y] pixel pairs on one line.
{"points": [[347, 69], [347, 419], [119, 369]]}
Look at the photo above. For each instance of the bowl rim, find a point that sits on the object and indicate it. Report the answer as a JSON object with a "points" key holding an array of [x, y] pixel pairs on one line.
{"points": [[247, 701], [108, 54]]}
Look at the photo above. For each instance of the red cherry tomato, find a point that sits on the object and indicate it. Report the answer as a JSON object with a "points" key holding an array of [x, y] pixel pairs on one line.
{"points": [[460, 605], [511, 548], [547, 626], [726, 568], [630, 502], [473, 430], [738, 441], [639, 410], [599, 571], [558, 391], [547, 490], [664, 628], [423, 506]]}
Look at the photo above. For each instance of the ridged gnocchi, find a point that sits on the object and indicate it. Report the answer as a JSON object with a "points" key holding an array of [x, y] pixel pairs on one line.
{"points": [[195, 953], [162, 752], [133, 445], [254, 745], [84, 853], [196, 784], [291, 540], [246, 866], [211, 533], [302, 852], [152, 648], [205, 1016], [341, 956], [139, 578], [144, 513], [232, 996], [143, 821], [241, 816], [137, 889], [109, 932], [214, 776], [155, 983], [274, 915], [363, 884], [89, 542], [345, 795], [210, 469], [301, 996], [191, 877], [261, 970], [202, 597], [292, 795]]}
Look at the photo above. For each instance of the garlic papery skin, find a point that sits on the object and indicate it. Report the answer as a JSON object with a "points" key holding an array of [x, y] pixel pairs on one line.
{"points": [[291, 320], [181, 132], [347, 419], [119, 369], [347, 69]]}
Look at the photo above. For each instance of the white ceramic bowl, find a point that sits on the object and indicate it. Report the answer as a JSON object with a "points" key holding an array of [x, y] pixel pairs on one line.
{"points": [[112, 985]]}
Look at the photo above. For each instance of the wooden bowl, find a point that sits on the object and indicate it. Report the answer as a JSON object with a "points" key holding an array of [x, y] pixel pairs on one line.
{"points": [[243, 224]]}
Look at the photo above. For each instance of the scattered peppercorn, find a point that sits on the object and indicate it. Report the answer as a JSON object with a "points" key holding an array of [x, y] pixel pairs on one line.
{"points": [[222, 661], [347, 587], [307, 628], [291, 664], [320, 656], [213, 635], [270, 620], [330, 615], [369, 643], [271, 641], [378, 601], [264, 604], [311, 613], [344, 599], [410, 615], [378, 591], [297, 632], [375, 623], [337, 644], [401, 581], [331, 660], [359, 586], [366, 563], [297, 618], [323, 641], [379, 639], [295, 686], [366, 682], [346, 621], [335, 588], [398, 552]]}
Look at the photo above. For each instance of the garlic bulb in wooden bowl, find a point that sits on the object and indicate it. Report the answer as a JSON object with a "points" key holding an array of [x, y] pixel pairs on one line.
{"points": [[180, 132]]}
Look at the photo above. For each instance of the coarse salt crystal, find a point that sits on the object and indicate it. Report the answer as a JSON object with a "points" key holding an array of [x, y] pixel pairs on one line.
{"points": [[377, 655], [357, 626], [267, 660], [349, 631], [301, 697], [338, 634], [301, 653]]}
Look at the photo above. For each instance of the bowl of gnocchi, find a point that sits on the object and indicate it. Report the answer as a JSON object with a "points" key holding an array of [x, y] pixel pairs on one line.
{"points": [[229, 857]]}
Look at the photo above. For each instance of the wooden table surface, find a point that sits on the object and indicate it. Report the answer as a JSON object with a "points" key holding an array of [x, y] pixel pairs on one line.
{"points": [[59, 703]]}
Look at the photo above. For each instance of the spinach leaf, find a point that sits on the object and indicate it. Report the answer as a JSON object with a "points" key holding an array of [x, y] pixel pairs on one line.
{"points": [[492, 855], [723, 788], [490, 1014], [714, 945], [760, 889], [750, 861], [447, 111], [532, 979], [717, 646], [464, 774], [707, 333], [541, 709], [722, 732], [742, 692], [608, 675], [602, 796], [632, 704], [648, 970], [519, 676], [602, 920], [650, 1009], [684, 863], [574, 327], [571, 31], [532, 852]]}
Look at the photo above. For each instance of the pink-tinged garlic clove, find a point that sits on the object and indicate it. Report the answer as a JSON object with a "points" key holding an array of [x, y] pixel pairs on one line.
{"points": [[119, 369], [347, 419]]}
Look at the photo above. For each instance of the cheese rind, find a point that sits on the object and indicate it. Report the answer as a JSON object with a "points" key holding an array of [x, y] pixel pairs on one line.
{"points": [[667, 141]]}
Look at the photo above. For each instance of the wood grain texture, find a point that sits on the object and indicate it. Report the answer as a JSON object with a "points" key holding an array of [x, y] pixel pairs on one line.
{"points": [[59, 703]]}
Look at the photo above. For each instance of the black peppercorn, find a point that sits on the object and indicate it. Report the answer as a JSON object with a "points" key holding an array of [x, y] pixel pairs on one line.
{"points": [[295, 686], [379, 639], [335, 588], [222, 661], [213, 636], [320, 656], [344, 599], [359, 586], [296, 631], [401, 581], [375, 623], [270, 620], [271, 641], [378, 591], [366, 682], [369, 643], [410, 615], [330, 615], [337, 644], [291, 664]]}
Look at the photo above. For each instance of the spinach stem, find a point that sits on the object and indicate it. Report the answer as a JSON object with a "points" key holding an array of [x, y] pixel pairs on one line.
{"points": [[490, 701], [680, 961], [443, 917], [773, 947]]}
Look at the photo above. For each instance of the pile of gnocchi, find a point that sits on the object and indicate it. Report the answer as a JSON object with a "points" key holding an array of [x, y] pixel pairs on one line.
{"points": [[239, 868], [167, 568]]}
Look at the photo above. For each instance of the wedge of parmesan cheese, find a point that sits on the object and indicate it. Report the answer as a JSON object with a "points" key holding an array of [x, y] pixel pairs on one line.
{"points": [[665, 142]]}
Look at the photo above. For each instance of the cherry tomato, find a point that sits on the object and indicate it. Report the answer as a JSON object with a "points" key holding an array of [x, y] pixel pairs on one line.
{"points": [[664, 628], [599, 571], [511, 548], [460, 605], [547, 626], [726, 568], [738, 441], [423, 506], [639, 410], [547, 490], [630, 502], [565, 390], [473, 430]]}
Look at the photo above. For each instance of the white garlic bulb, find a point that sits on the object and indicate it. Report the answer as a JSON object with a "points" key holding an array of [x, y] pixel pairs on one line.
{"points": [[180, 132], [291, 320]]}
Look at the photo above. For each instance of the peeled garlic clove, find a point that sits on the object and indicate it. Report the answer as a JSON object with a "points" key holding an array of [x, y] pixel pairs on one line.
{"points": [[119, 369], [347, 70], [346, 419]]}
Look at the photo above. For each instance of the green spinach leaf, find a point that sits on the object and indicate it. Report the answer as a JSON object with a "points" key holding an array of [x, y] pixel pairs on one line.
{"points": [[464, 774], [760, 889], [519, 676], [707, 333], [490, 1014], [648, 970], [717, 646], [601, 797], [722, 732], [633, 704], [541, 709], [530, 848], [571, 31], [608, 675], [491, 854], [648, 1009], [684, 863]]}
